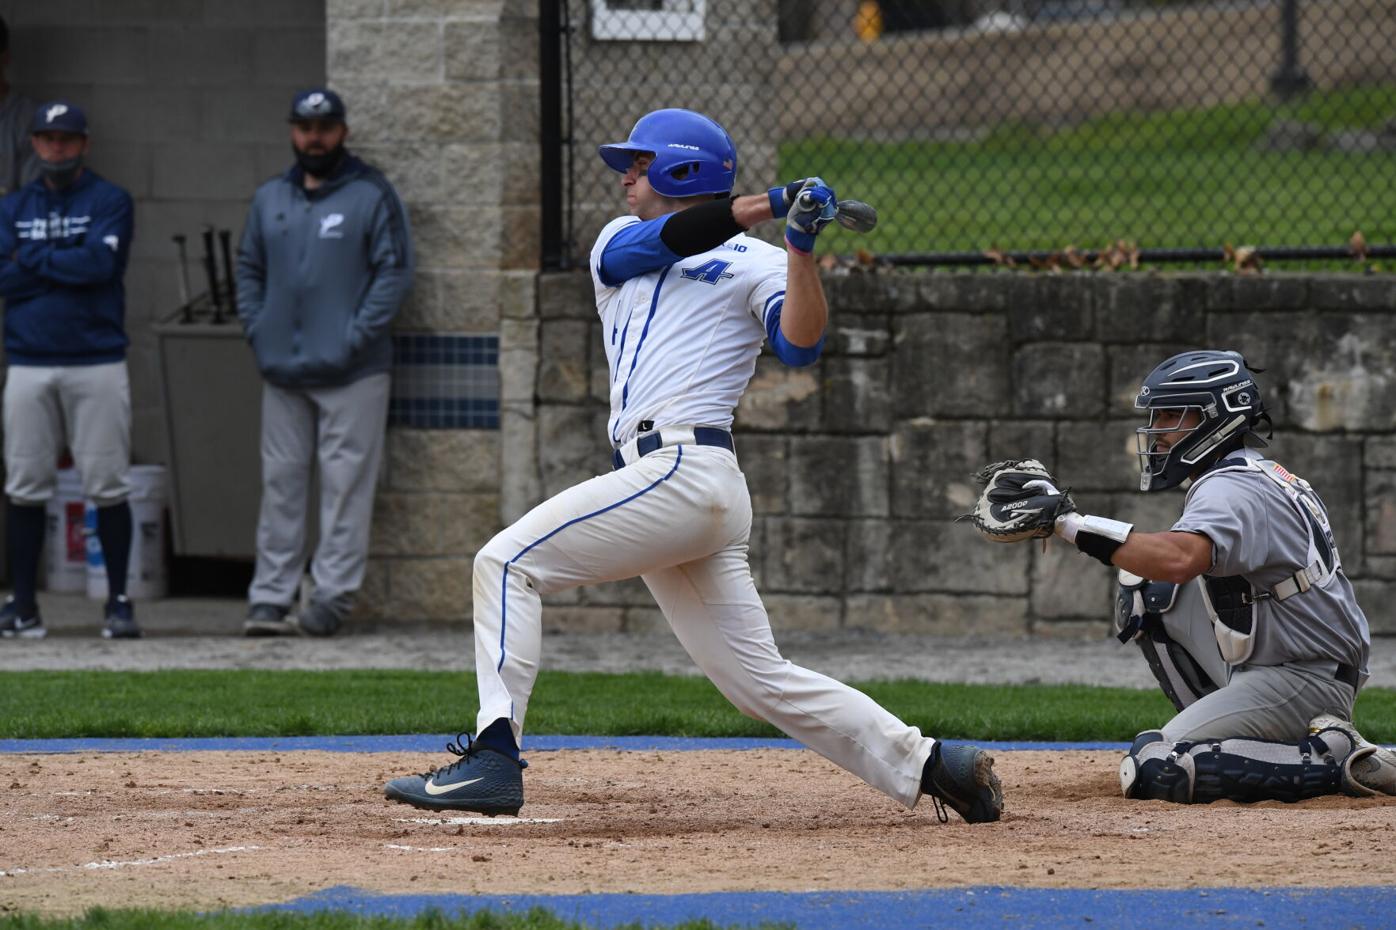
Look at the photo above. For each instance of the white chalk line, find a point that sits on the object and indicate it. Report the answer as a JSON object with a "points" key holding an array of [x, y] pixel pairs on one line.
{"points": [[421, 848], [478, 821], [121, 864]]}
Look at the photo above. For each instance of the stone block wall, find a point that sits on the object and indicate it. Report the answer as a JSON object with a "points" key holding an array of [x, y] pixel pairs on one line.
{"points": [[859, 464]]}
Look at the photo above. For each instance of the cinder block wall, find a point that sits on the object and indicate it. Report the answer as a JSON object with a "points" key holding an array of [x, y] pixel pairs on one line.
{"points": [[443, 97], [859, 464], [187, 102]]}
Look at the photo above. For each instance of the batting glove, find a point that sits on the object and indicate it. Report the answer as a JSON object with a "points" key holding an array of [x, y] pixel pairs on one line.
{"points": [[782, 197], [814, 207]]}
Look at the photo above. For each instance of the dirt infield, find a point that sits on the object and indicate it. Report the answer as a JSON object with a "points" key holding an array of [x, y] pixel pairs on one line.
{"points": [[213, 829]]}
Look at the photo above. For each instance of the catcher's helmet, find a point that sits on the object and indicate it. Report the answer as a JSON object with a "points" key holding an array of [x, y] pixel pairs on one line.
{"points": [[1215, 383], [692, 154]]}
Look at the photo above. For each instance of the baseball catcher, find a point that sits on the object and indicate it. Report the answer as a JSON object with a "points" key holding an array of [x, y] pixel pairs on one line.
{"points": [[1241, 609]]}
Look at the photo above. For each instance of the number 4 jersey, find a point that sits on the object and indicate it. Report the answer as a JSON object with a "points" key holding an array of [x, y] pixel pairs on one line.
{"points": [[682, 333]]}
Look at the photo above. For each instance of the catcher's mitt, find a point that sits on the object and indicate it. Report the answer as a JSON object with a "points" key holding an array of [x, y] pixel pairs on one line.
{"points": [[1020, 501]]}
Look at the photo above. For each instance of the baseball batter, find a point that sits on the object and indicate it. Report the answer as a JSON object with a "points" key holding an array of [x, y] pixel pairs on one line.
{"points": [[686, 299], [1242, 608]]}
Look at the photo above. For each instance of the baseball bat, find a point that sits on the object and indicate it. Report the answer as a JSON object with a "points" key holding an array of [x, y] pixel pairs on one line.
{"points": [[212, 272], [184, 279], [224, 236], [857, 216]]}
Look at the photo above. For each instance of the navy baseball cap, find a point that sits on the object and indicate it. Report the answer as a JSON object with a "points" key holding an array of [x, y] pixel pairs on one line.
{"points": [[317, 103], [59, 116]]}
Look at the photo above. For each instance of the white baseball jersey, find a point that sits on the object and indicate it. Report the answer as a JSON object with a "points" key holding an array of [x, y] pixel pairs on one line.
{"points": [[682, 341]]}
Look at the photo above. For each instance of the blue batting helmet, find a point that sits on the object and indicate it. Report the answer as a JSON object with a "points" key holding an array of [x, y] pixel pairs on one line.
{"points": [[1216, 384], [692, 153]]}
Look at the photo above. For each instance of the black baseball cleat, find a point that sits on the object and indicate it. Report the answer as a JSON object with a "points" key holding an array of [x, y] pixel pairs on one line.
{"points": [[480, 780], [119, 619], [963, 778], [20, 624]]}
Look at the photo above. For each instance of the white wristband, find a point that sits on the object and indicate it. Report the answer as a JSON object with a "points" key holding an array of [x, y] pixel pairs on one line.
{"points": [[1068, 524]]}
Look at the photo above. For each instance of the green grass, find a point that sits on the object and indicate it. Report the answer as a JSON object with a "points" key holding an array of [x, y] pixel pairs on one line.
{"points": [[291, 703], [1177, 179], [99, 919]]}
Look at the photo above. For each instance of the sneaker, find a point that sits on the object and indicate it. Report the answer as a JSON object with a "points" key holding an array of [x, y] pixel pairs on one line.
{"points": [[14, 625], [319, 619], [1369, 769], [480, 780], [963, 777], [120, 619], [267, 620]]}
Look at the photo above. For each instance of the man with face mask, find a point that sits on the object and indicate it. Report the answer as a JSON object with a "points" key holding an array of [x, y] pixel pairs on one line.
{"points": [[64, 242], [323, 266]]}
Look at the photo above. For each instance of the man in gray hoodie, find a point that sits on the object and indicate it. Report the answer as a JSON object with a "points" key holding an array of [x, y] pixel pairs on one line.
{"points": [[324, 264]]}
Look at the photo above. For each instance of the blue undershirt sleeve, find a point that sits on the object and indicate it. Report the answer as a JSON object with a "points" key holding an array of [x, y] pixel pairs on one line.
{"points": [[792, 355], [635, 250]]}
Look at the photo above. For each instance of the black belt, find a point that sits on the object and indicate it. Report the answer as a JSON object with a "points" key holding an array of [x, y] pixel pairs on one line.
{"points": [[653, 442], [1347, 674]]}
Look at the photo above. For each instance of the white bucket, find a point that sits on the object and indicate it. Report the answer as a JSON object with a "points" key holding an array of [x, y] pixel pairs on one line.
{"points": [[145, 576], [65, 552]]}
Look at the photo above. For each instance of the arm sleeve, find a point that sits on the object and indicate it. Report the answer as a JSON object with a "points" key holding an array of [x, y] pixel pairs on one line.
{"points": [[1232, 511], [102, 255], [392, 260], [251, 270], [700, 228], [632, 250], [16, 282]]}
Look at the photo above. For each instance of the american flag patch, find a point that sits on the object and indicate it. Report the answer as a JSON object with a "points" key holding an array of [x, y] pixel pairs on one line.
{"points": [[1283, 472]]}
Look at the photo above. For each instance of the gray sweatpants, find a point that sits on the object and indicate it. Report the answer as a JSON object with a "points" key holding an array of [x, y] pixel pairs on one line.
{"points": [[341, 431]]}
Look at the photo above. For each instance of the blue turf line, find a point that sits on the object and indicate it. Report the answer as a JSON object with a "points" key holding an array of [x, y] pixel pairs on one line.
{"points": [[1019, 908], [425, 742]]}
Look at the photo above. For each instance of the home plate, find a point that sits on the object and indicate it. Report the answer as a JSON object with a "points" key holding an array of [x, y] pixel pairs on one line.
{"points": [[478, 821]]}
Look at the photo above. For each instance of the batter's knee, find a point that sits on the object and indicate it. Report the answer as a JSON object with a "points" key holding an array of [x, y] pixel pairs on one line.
{"points": [[1157, 770], [491, 557]]}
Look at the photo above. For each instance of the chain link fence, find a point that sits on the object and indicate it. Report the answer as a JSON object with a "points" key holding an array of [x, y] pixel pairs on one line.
{"points": [[1067, 131]]}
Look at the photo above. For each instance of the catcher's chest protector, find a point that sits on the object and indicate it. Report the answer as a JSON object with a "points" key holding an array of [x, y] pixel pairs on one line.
{"points": [[1232, 601]]}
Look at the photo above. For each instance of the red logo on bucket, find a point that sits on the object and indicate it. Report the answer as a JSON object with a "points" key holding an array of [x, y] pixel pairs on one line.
{"points": [[75, 540]]}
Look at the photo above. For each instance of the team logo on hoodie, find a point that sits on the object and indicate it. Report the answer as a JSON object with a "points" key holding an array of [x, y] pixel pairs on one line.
{"points": [[332, 226]]}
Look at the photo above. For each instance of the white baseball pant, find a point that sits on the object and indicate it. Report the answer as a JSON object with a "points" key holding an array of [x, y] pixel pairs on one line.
{"points": [[342, 430], [680, 518], [86, 407]]}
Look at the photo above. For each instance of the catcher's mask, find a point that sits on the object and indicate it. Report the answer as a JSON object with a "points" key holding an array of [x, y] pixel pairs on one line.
{"points": [[1221, 389]]}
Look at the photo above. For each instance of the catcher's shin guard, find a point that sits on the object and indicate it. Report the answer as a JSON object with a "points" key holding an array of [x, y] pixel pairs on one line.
{"points": [[1242, 770], [1153, 771]]}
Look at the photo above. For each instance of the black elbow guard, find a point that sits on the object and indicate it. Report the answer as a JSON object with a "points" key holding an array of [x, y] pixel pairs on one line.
{"points": [[700, 228]]}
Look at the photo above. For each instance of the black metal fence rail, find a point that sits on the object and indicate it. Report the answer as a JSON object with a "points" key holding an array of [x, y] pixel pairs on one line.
{"points": [[984, 128]]}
